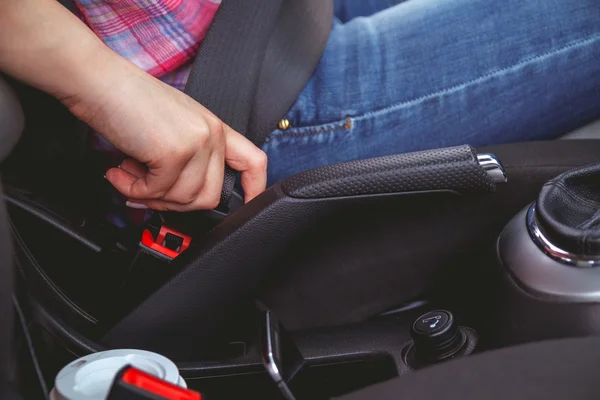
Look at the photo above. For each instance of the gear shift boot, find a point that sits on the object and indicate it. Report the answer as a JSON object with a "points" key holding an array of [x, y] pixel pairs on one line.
{"points": [[551, 248], [565, 222]]}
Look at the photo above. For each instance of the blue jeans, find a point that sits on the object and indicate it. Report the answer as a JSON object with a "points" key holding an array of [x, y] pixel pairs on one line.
{"points": [[401, 76]]}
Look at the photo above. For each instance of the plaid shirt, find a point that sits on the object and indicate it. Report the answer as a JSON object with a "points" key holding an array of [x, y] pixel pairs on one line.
{"points": [[159, 36]]}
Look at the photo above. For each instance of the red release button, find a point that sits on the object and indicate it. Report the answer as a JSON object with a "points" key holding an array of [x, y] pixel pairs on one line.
{"points": [[160, 244]]}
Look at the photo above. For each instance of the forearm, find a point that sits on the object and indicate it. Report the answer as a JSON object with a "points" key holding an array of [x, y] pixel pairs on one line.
{"points": [[44, 45]]}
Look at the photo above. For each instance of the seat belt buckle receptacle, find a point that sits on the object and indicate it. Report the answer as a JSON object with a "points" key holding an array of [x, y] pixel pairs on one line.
{"points": [[166, 242]]}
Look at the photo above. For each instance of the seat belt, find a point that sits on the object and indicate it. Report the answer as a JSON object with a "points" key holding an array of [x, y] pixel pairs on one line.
{"points": [[254, 61], [227, 66]]}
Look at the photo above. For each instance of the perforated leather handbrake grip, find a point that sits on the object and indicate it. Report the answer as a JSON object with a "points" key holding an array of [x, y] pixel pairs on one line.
{"points": [[457, 169]]}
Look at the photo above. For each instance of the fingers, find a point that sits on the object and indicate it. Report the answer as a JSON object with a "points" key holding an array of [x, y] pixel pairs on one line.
{"points": [[125, 175], [190, 182], [208, 198], [120, 178], [243, 156], [133, 167], [155, 181], [178, 183], [202, 177]]}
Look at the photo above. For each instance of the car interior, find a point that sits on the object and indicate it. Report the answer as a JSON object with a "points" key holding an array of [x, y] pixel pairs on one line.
{"points": [[346, 257], [462, 272]]}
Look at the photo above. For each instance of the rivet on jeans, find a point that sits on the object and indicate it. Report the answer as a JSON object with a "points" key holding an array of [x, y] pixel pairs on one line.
{"points": [[284, 124]]}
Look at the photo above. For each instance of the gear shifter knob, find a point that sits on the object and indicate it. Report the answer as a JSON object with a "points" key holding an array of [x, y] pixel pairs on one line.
{"points": [[565, 221]]}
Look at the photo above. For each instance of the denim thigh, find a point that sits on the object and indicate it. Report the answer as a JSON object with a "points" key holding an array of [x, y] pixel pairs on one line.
{"points": [[432, 73]]}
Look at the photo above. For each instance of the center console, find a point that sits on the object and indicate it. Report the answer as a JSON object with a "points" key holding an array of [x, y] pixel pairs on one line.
{"points": [[414, 245]]}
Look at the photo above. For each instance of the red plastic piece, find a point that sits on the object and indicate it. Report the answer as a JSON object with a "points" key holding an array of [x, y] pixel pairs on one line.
{"points": [[156, 386], [157, 245]]}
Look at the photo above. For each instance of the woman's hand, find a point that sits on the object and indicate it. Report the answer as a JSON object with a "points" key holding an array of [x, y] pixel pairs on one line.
{"points": [[178, 148], [181, 148]]}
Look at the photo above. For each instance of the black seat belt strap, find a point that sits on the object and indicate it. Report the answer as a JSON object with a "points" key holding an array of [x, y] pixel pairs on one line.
{"points": [[227, 67]]}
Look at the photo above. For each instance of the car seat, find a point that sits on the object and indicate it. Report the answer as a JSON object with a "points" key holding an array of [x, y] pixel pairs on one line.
{"points": [[590, 131]]}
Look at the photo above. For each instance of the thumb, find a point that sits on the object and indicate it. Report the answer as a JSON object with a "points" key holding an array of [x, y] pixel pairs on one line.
{"points": [[243, 156], [151, 184]]}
